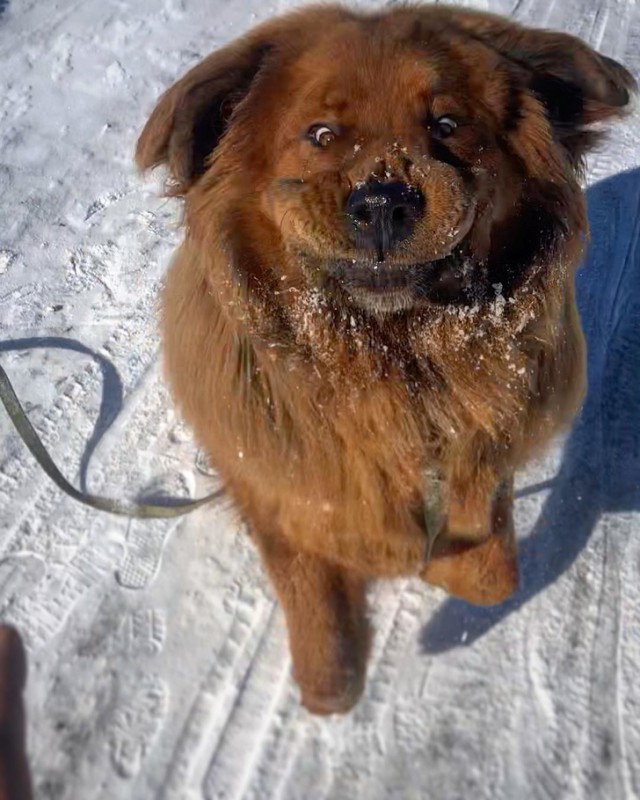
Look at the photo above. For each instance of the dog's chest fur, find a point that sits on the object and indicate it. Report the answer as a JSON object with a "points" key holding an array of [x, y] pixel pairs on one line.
{"points": [[334, 434]]}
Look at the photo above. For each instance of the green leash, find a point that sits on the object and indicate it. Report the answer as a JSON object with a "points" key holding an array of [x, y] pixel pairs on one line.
{"points": [[123, 508]]}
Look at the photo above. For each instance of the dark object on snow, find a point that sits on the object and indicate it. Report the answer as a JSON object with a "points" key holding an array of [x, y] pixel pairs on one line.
{"points": [[15, 783]]}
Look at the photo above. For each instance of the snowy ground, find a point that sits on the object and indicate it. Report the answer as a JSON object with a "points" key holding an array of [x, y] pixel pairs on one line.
{"points": [[158, 658]]}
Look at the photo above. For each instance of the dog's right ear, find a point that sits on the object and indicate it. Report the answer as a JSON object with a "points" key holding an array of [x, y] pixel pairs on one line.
{"points": [[191, 116]]}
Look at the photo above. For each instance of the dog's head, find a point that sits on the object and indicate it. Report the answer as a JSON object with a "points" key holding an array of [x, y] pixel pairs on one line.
{"points": [[414, 156]]}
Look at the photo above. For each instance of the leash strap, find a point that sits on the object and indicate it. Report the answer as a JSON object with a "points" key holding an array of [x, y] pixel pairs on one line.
{"points": [[123, 508]]}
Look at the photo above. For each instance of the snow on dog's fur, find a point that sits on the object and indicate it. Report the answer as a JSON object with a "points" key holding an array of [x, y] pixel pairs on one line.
{"points": [[383, 219]]}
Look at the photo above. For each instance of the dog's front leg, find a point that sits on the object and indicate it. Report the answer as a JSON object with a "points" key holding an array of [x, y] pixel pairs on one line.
{"points": [[324, 606], [474, 555]]}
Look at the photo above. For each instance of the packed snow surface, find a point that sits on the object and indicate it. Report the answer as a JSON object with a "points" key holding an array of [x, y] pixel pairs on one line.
{"points": [[158, 656]]}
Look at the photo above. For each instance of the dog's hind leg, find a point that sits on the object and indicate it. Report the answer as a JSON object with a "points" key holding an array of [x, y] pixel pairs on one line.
{"points": [[324, 606]]}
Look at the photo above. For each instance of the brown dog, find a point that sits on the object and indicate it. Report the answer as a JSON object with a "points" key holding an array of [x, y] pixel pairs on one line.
{"points": [[371, 322]]}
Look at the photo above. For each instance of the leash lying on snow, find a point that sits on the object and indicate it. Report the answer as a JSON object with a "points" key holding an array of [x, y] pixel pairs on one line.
{"points": [[123, 508]]}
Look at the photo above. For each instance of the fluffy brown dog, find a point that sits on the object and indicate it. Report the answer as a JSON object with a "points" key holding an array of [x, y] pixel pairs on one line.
{"points": [[371, 322]]}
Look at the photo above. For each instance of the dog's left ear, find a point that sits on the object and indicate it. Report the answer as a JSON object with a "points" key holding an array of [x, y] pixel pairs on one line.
{"points": [[577, 85]]}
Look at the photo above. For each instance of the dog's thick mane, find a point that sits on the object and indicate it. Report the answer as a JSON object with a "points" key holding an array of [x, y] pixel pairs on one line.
{"points": [[359, 407], [356, 406], [300, 366]]}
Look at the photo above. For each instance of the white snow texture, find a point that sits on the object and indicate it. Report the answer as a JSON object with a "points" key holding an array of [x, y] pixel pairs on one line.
{"points": [[159, 665]]}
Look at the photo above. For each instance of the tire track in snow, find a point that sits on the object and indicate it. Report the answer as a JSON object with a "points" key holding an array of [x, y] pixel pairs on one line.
{"points": [[213, 707], [40, 612], [281, 745], [261, 689], [605, 746], [398, 621], [542, 708]]}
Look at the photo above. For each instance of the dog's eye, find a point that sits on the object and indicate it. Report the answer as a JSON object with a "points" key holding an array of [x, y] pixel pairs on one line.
{"points": [[444, 127], [321, 135]]}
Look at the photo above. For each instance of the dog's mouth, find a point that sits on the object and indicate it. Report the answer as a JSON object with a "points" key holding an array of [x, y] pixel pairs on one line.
{"points": [[387, 287]]}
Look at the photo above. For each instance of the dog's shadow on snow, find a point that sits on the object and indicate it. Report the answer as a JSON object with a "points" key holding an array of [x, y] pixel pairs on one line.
{"points": [[600, 470]]}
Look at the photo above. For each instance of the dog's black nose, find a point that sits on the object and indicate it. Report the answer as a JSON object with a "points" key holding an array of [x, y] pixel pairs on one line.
{"points": [[384, 214]]}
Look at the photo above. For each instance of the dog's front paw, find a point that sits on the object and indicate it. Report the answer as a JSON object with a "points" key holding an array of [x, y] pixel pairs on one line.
{"points": [[338, 695], [483, 574]]}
